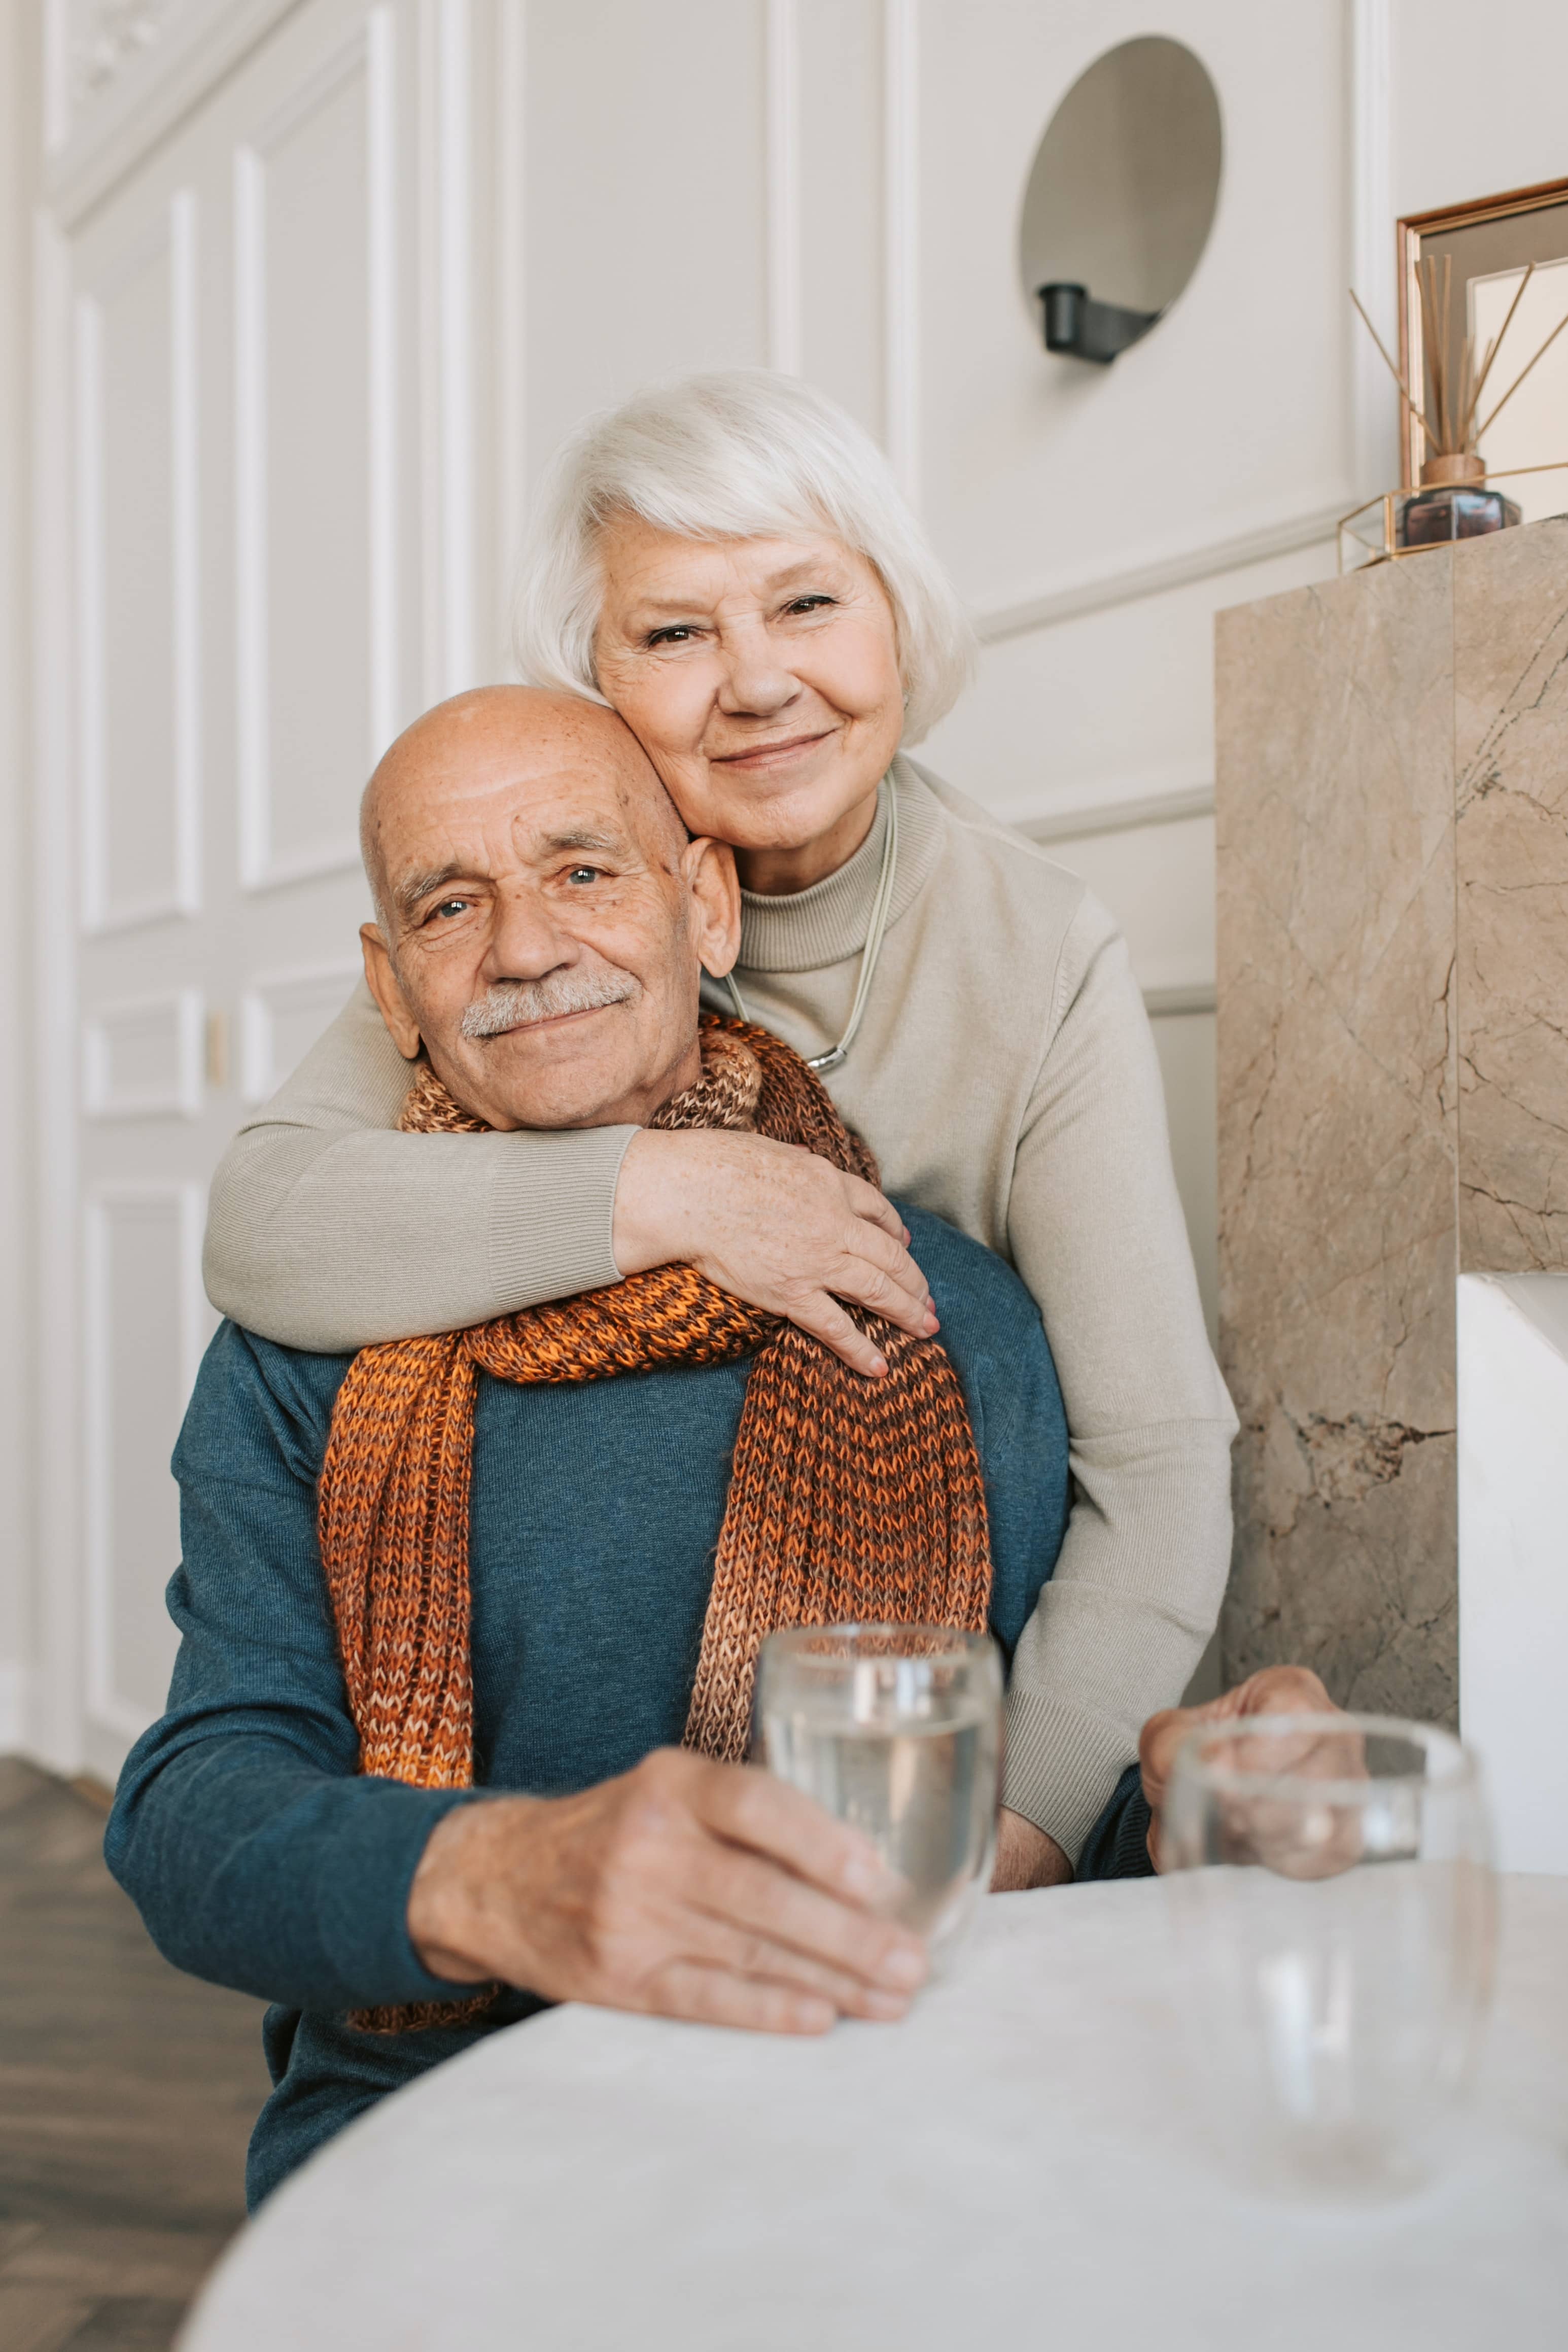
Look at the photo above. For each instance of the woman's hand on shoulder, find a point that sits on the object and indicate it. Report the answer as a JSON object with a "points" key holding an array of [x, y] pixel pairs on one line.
{"points": [[776, 1226]]}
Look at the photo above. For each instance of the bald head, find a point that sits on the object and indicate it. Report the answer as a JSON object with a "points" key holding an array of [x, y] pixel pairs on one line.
{"points": [[543, 919], [506, 730]]}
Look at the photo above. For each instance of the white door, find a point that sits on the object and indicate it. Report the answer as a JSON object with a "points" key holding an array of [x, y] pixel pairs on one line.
{"points": [[265, 573]]}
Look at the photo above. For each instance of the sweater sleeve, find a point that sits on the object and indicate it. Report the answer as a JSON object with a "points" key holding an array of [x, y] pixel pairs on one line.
{"points": [[328, 1230], [1097, 1230], [257, 1856]]}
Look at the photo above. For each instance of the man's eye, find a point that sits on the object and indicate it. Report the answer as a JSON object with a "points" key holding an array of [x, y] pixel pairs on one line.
{"points": [[585, 874], [445, 908]]}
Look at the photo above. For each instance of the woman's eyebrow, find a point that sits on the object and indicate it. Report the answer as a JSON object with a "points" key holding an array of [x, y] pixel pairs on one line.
{"points": [[810, 567], [646, 603], [649, 601]]}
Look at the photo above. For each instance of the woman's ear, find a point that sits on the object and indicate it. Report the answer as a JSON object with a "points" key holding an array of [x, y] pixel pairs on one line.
{"points": [[715, 887], [384, 986]]}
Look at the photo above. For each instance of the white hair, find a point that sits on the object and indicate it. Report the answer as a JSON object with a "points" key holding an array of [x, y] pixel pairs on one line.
{"points": [[745, 454]]}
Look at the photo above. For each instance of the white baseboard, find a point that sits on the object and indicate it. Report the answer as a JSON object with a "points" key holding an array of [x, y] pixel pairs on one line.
{"points": [[13, 1706]]}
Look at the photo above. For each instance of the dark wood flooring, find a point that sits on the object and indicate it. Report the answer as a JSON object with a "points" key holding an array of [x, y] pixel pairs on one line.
{"points": [[127, 2095]]}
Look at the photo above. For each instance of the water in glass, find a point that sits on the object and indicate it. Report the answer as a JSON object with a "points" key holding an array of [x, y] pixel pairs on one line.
{"points": [[896, 1729]]}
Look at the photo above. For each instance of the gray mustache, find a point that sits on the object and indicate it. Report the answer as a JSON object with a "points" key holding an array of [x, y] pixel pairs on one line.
{"points": [[513, 1004]]}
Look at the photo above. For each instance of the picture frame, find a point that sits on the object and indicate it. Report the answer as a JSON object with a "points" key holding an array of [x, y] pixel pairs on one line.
{"points": [[1489, 241]]}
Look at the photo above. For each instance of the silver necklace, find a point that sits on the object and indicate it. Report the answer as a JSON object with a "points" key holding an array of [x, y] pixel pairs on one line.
{"points": [[839, 1054]]}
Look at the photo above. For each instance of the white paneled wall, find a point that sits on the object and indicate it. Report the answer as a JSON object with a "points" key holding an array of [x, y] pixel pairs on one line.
{"points": [[252, 440], [317, 285], [19, 135]]}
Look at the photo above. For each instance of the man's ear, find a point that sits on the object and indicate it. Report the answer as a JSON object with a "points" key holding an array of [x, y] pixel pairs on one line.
{"points": [[715, 887], [384, 986]]}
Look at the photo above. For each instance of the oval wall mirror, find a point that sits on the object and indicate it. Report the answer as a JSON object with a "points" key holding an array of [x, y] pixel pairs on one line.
{"points": [[1121, 198]]}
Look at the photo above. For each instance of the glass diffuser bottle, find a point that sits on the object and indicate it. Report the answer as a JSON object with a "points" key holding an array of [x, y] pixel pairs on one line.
{"points": [[1453, 502]]}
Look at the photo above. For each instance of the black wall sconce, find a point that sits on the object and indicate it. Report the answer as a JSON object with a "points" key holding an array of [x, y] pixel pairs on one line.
{"points": [[1086, 330]]}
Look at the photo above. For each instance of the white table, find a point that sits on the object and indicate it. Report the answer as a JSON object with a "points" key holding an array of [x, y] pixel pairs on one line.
{"points": [[1016, 2164]]}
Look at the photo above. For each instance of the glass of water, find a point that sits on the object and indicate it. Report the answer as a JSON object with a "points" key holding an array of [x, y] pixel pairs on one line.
{"points": [[1333, 1889], [897, 1730]]}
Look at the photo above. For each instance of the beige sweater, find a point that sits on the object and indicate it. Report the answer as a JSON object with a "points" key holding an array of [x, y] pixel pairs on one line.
{"points": [[1006, 1079]]}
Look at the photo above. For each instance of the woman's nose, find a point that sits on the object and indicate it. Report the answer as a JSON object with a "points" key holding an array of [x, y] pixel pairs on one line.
{"points": [[755, 682]]}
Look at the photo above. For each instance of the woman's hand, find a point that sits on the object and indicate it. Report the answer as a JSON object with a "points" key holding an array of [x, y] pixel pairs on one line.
{"points": [[1274, 1690], [776, 1226]]}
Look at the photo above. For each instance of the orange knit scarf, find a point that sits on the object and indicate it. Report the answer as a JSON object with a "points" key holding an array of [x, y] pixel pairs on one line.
{"points": [[849, 1498]]}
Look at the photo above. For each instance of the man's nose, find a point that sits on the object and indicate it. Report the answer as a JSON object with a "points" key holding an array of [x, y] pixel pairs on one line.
{"points": [[755, 682], [525, 940]]}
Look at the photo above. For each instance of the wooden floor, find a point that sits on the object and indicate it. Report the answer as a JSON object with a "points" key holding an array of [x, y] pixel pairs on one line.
{"points": [[127, 2095]]}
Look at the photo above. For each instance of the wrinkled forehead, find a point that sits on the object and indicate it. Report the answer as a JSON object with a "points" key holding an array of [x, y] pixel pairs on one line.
{"points": [[507, 811]]}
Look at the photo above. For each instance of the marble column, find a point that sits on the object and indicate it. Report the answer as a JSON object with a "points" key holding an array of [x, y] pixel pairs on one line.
{"points": [[1392, 795]]}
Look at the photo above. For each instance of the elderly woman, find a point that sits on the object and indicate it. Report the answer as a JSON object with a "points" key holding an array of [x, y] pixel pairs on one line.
{"points": [[727, 563]]}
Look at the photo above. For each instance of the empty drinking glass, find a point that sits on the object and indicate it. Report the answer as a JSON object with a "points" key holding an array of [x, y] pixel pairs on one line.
{"points": [[1333, 1890], [897, 1730]]}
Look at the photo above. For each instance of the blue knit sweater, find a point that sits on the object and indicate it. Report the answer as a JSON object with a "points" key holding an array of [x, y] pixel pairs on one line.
{"points": [[257, 1856]]}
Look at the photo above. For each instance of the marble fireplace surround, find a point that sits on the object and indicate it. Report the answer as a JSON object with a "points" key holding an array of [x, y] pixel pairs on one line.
{"points": [[1391, 796]]}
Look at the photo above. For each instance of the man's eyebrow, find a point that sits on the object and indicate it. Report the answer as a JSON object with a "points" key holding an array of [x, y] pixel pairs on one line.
{"points": [[605, 844], [406, 895]]}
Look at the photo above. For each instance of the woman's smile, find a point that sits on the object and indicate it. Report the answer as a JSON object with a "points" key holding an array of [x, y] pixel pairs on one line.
{"points": [[755, 757]]}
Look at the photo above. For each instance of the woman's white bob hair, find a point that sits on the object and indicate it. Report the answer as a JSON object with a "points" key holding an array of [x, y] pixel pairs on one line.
{"points": [[746, 454]]}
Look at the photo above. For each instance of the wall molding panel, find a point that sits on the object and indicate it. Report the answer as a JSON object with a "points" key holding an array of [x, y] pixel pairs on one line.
{"points": [[381, 213], [171, 238], [55, 1688], [1197, 996], [281, 1014], [1370, 455], [448, 261], [1312, 526], [365, 56], [143, 1056], [117, 32], [783, 150], [1374, 436], [1075, 812], [508, 287], [97, 131], [901, 233]]}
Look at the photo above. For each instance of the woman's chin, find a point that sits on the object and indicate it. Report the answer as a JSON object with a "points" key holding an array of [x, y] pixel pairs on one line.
{"points": [[774, 816]]}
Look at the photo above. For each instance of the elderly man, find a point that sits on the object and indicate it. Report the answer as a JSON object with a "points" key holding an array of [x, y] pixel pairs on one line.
{"points": [[514, 1564]]}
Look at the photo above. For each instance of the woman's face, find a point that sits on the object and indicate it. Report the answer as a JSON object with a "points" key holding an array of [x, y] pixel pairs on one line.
{"points": [[761, 676]]}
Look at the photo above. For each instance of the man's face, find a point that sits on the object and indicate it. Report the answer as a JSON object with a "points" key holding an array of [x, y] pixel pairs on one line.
{"points": [[545, 919]]}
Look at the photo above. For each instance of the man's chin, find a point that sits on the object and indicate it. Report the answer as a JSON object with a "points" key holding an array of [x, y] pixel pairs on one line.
{"points": [[525, 1078]]}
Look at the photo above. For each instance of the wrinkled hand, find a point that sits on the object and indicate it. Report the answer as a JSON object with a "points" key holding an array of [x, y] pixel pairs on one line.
{"points": [[1025, 1856], [1275, 1690], [684, 1888], [776, 1226]]}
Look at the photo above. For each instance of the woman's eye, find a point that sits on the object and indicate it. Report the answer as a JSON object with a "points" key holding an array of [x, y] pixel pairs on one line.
{"points": [[679, 634], [809, 603]]}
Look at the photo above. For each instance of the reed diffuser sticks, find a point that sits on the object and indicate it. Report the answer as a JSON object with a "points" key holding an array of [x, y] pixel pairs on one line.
{"points": [[1453, 396]]}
